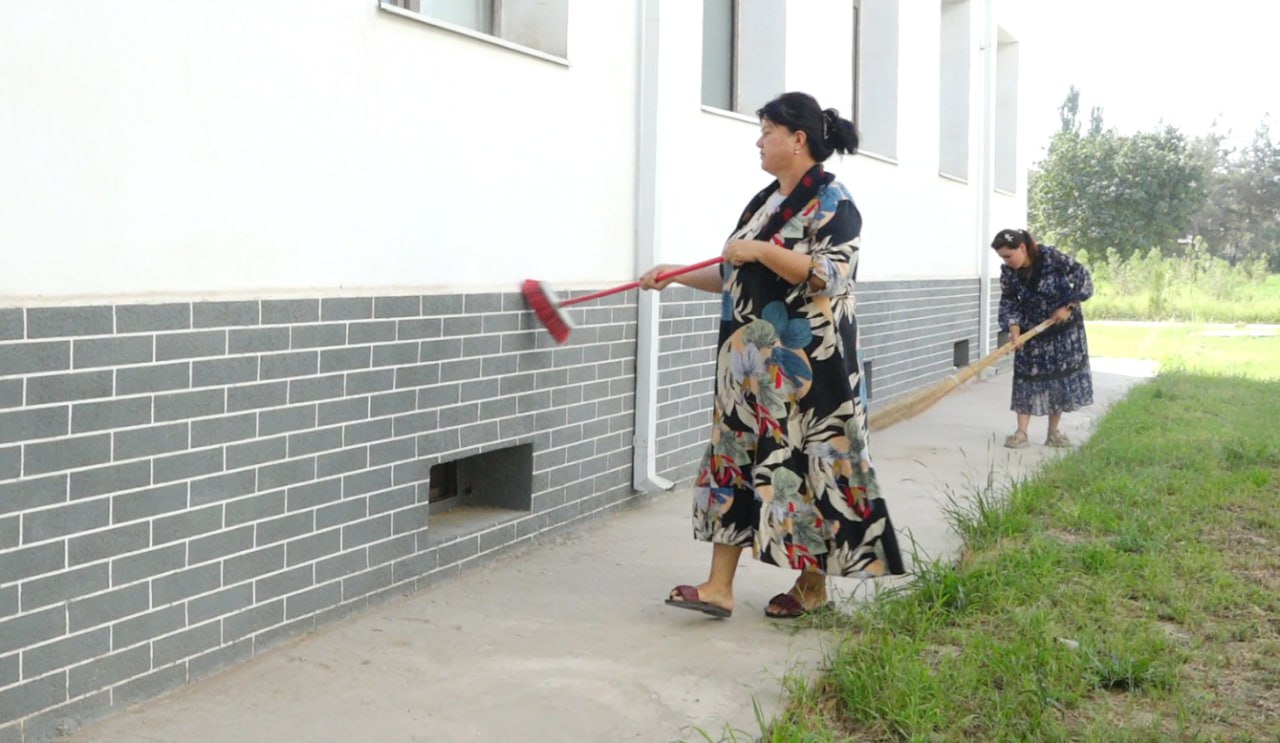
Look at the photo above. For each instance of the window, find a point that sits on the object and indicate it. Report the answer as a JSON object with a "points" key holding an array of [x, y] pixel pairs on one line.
{"points": [[542, 25], [718, 53], [1006, 128], [876, 76], [731, 79], [953, 90]]}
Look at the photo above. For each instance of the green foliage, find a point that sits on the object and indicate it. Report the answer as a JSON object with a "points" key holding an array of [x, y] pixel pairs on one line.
{"points": [[1195, 286], [1102, 190], [1240, 220], [1204, 350], [1121, 595], [1099, 190]]}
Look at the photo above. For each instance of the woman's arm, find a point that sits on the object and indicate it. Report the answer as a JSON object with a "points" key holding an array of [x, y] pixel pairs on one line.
{"points": [[1010, 317], [824, 259], [706, 278], [1079, 286], [793, 267], [1081, 282]]}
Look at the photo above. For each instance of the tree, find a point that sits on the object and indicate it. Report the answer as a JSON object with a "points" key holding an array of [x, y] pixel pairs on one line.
{"points": [[1240, 220], [1102, 190]]}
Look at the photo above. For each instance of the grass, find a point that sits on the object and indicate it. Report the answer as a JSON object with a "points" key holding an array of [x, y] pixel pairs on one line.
{"points": [[1129, 592], [1190, 347], [1249, 303]]}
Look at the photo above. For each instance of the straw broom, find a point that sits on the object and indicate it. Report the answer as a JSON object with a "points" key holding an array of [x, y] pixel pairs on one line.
{"points": [[921, 400]]}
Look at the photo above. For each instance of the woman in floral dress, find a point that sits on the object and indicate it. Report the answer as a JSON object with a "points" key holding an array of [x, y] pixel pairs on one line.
{"points": [[1051, 374], [788, 472]]}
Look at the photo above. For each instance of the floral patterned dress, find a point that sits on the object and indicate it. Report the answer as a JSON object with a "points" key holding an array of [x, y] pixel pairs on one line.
{"points": [[1051, 371], [788, 471]]}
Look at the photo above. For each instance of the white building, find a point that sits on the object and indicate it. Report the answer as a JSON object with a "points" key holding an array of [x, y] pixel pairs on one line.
{"points": [[262, 356]]}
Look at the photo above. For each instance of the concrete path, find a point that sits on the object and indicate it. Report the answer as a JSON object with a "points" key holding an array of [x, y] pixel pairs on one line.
{"points": [[569, 640]]}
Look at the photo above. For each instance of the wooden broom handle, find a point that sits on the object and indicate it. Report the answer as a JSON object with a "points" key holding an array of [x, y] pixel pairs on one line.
{"points": [[921, 400]]}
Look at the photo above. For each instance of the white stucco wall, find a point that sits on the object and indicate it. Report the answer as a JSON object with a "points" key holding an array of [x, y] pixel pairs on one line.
{"points": [[160, 148], [916, 223]]}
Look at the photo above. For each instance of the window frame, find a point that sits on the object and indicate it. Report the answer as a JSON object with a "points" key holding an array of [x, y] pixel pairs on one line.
{"points": [[961, 113], [882, 116], [392, 7], [735, 15], [855, 109]]}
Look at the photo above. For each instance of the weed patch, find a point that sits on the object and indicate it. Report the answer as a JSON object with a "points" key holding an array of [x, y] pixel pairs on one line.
{"points": [[1129, 592]]}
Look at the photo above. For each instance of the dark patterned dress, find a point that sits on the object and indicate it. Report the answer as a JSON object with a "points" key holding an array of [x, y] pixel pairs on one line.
{"points": [[1051, 371], [788, 472]]}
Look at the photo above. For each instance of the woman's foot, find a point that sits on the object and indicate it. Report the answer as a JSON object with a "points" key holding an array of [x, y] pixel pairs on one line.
{"points": [[1058, 439], [873, 569], [704, 598], [804, 597], [1017, 440]]}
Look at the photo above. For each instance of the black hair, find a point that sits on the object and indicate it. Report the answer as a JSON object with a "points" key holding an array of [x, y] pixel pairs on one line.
{"points": [[1012, 239], [825, 132]]}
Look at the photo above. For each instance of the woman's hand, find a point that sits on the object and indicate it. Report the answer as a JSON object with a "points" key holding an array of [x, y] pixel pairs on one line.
{"points": [[739, 252], [650, 279], [1015, 335], [1062, 314]]}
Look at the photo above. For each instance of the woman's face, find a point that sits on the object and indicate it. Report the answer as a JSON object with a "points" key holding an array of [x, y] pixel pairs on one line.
{"points": [[777, 147], [1014, 258]]}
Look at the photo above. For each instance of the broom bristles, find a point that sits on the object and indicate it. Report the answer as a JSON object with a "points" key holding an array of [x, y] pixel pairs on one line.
{"points": [[546, 307]]}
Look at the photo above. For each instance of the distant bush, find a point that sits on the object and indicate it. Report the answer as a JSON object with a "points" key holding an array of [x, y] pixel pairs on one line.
{"points": [[1196, 287]]}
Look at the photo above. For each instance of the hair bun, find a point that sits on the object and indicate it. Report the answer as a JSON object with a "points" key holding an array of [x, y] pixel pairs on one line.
{"points": [[830, 123]]}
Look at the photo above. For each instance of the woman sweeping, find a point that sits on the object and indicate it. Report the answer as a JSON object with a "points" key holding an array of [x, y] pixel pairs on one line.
{"points": [[1051, 374], [788, 471]]}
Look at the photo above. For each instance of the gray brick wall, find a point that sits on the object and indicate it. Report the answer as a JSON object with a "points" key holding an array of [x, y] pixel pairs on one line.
{"points": [[689, 324], [909, 330], [908, 333], [184, 485]]}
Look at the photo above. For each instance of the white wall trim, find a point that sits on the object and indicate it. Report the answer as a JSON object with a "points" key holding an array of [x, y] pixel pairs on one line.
{"points": [[730, 115], [880, 158], [474, 34]]}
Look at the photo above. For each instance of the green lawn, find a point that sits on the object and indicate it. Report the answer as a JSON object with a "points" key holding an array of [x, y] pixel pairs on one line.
{"points": [[1255, 302], [1130, 592], [1191, 347]]}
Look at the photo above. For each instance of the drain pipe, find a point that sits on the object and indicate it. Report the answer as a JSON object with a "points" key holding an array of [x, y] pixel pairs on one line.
{"points": [[986, 173], [644, 467]]}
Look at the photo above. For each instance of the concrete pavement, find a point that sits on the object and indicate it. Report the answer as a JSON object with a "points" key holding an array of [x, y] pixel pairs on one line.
{"points": [[569, 640]]}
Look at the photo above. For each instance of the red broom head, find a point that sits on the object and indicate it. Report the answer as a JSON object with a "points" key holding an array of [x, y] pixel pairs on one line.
{"points": [[546, 307]]}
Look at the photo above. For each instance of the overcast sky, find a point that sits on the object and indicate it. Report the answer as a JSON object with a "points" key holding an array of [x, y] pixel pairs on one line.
{"points": [[1144, 61]]}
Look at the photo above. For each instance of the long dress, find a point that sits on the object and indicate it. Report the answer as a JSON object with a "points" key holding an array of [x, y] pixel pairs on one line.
{"points": [[1051, 371], [788, 470]]}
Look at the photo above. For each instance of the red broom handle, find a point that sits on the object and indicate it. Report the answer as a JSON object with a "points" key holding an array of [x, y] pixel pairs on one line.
{"points": [[632, 285]]}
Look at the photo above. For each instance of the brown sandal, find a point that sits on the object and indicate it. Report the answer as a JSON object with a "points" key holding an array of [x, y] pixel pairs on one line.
{"points": [[689, 599], [790, 606], [1058, 439], [1017, 440]]}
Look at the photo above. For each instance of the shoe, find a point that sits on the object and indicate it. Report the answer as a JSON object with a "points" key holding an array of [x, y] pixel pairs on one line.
{"points": [[1017, 440], [789, 607], [686, 597], [1058, 439]]}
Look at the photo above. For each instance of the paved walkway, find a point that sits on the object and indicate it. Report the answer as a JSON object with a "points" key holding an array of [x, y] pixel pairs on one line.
{"points": [[569, 640]]}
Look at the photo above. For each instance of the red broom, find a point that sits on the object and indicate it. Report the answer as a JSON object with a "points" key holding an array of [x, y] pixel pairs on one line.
{"points": [[549, 309]]}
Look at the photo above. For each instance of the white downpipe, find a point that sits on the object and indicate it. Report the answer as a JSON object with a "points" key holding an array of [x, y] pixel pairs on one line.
{"points": [[644, 470], [986, 173]]}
